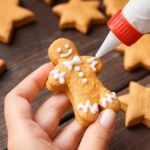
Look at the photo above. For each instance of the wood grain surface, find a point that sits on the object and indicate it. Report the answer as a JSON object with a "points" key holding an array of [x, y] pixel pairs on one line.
{"points": [[28, 50]]}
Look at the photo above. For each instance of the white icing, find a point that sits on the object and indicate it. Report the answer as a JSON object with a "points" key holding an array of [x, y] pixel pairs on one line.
{"points": [[60, 76], [66, 54], [93, 65], [92, 61], [81, 74], [77, 68], [67, 46], [69, 64], [84, 80], [88, 107], [108, 99], [59, 50]]}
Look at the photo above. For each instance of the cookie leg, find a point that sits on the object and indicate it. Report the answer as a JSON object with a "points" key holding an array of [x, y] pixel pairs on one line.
{"points": [[86, 112], [109, 100]]}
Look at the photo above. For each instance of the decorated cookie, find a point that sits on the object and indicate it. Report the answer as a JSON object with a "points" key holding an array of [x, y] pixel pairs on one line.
{"points": [[112, 6], [2, 65], [136, 104], [76, 76], [48, 1], [12, 16], [79, 14], [137, 55]]}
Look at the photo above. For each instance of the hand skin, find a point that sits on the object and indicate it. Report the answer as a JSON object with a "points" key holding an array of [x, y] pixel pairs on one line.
{"points": [[28, 131]]}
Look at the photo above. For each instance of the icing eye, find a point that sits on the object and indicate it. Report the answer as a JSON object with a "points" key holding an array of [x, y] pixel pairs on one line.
{"points": [[66, 46], [59, 50]]}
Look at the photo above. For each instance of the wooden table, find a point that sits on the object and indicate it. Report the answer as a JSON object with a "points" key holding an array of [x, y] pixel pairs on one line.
{"points": [[28, 50]]}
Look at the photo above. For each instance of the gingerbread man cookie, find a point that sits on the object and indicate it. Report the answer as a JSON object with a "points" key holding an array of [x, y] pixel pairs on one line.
{"points": [[137, 55], [71, 16], [136, 104], [2, 65], [12, 16], [76, 76], [112, 6]]}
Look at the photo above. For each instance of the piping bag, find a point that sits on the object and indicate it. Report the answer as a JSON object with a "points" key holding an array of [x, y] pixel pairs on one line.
{"points": [[127, 26]]}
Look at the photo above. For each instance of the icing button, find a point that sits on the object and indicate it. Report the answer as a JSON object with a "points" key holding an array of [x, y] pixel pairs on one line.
{"points": [[84, 80], [77, 68], [81, 74]]}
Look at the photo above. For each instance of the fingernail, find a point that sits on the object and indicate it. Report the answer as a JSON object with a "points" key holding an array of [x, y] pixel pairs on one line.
{"points": [[107, 118]]}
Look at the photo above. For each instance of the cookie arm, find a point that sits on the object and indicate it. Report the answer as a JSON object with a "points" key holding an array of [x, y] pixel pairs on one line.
{"points": [[56, 83], [98, 66]]}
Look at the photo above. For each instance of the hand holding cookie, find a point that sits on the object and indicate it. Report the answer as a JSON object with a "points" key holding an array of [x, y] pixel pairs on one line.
{"points": [[38, 131], [76, 76]]}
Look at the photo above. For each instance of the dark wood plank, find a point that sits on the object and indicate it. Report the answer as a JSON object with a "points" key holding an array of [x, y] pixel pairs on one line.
{"points": [[28, 50]]}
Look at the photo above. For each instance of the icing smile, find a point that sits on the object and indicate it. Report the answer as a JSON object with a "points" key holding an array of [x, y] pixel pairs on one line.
{"points": [[66, 54]]}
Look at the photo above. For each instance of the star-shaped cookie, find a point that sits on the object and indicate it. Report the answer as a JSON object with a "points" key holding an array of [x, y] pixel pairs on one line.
{"points": [[48, 1], [2, 65], [136, 104], [138, 54], [112, 6], [79, 14], [12, 16]]}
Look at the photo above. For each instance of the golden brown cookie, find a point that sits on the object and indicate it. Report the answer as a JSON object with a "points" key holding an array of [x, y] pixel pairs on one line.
{"points": [[2, 65], [12, 16], [136, 104], [112, 6], [48, 1], [79, 14], [137, 55], [77, 77]]}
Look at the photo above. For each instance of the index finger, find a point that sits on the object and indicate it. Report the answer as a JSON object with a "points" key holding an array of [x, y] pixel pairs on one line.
{"points": [[33, 83]]}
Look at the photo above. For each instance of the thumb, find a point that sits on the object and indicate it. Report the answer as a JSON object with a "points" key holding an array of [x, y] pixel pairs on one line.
{"points": [[97, 135]]}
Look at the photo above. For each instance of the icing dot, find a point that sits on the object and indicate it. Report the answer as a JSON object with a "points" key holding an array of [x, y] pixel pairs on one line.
{"points": [[81, 74], [59, 49], [66, 45], [77, 68], [84, 80]]}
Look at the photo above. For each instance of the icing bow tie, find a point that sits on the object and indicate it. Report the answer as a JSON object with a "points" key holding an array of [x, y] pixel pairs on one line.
{"points": [[69, 64]]}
